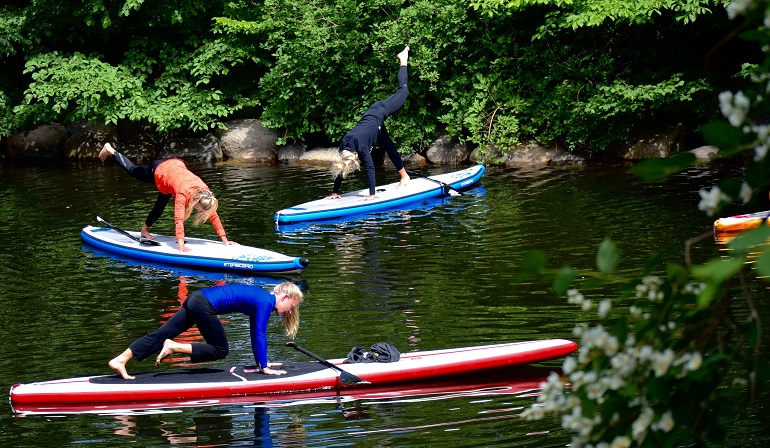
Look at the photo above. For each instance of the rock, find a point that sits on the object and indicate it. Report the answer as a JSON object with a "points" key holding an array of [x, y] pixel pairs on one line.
{"points": [[43, 142], [650, 143], [705, 153], [446, 151], [204, 149], [290, 153], [568, 159], [319, 157], [409, 160], [526, 154], [248, 139], [88, 140]]}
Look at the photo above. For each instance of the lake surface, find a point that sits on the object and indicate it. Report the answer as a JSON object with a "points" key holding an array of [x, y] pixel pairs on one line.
{"points": [[439, 275]]}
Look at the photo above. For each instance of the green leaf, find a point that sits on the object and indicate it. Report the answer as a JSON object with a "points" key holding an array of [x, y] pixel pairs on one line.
{"points": [[563, 280], [750, 238], [656, 169], [718, 269], [763, 262], [722, 134], [607, 257], [533, 263]]}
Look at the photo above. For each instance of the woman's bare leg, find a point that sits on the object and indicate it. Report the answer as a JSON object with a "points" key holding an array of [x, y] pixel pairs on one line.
{"points": [[170, 347], [118, 363]]}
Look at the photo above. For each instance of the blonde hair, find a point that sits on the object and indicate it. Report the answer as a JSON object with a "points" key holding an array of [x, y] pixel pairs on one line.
{"points": [[290, 319], [346, 163], [208, 206]]}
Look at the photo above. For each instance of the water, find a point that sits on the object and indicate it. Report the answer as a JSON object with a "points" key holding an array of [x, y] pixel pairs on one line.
{"points": [[440, 275]]}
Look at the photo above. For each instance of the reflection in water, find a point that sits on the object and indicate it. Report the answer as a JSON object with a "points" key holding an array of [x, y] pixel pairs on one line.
{"points": [[445, 277]]}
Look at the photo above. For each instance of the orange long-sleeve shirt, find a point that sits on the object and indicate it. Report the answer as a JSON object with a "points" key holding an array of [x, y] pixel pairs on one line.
{"points": [[172, 177]]}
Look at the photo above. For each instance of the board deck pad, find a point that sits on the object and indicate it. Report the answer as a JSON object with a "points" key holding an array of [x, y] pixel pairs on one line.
{"points": [[209, 375], [203, 254], [386, 197]]}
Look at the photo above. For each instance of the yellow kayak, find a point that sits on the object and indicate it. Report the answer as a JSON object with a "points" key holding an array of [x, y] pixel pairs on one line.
{"points": [[738, 223]]}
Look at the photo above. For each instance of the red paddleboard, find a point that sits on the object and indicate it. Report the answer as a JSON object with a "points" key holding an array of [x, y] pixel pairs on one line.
{"points": [[217, 383]]}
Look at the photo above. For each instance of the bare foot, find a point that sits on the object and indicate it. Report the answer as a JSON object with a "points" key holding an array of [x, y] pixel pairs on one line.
{"points": [[120, 367], [404, 180], [404, 55], [168, 349], [107, 150]]}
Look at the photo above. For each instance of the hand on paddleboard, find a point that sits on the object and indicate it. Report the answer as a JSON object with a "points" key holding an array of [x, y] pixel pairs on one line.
{"points": [[227, 242], [181, 246]]}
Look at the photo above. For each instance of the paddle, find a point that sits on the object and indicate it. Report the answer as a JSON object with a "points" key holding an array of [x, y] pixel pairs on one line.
{"points": [[346, 377], [447, 188], [141, 240]]}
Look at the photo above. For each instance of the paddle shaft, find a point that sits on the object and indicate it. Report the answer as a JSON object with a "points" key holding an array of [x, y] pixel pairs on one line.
{"points": [[447, 187], [121, 231], [346, 377]]}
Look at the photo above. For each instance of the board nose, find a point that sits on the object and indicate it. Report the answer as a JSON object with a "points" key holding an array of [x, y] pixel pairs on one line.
{"points": [[304, 262]]}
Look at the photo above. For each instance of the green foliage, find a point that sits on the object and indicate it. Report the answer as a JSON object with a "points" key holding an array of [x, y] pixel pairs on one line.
{"points": [[664, 360], [310, 68]]}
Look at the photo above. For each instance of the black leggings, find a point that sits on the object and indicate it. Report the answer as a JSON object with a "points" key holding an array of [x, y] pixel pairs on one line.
{"points": [[145, 174], [196, 310], [393, 103]]}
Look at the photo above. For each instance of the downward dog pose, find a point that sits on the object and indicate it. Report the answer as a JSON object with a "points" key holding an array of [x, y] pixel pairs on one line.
{"points": [[356, 146], [172, 178], [202, 308]]}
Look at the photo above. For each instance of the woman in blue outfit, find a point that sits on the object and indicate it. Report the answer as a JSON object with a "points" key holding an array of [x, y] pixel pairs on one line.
{"points": [[202, 308], [356, 146]]}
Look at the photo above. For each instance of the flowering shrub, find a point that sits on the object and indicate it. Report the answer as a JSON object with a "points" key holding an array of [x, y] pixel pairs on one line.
{"points": [[658, 372]]}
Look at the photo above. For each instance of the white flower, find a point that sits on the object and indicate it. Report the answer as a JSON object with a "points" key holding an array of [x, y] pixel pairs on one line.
{"points": [[586, 306], [645, 353], [710, 200], [737, 7], [696, 359], [665, 424], [760, 151], [662, 361], [621, 442], [604, 308], [746, 191], [569, 365], [640, 425]]}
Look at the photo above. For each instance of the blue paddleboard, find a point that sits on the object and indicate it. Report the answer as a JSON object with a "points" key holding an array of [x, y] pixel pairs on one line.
{"points": [[204, 254], [386, 197]]}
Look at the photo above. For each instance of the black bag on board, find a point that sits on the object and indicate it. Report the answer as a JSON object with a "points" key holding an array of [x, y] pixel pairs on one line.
{"points": [[379, 352]]}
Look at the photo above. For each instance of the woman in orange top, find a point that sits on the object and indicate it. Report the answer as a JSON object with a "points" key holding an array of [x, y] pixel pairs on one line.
{"points": [[172, 178]]}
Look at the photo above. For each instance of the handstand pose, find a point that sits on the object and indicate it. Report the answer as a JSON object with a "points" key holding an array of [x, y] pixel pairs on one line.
{"points": [[356, 146], [172, 178], [202, 308]]}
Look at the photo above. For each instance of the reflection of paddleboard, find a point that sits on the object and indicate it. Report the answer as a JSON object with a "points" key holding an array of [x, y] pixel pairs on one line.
{"points": [[212, 383], [386, 197], [738, 223], [204, 254], [506, 382]]}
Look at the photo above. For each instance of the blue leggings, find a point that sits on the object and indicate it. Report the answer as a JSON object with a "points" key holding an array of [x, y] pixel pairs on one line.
{"points": [[196, 310]]}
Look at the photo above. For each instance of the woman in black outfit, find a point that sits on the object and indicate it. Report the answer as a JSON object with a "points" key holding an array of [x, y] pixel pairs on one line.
{"points": [[356, 146]]}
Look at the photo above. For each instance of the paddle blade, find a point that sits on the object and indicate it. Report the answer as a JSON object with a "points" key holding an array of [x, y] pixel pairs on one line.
{"points": [[348, 379]]}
